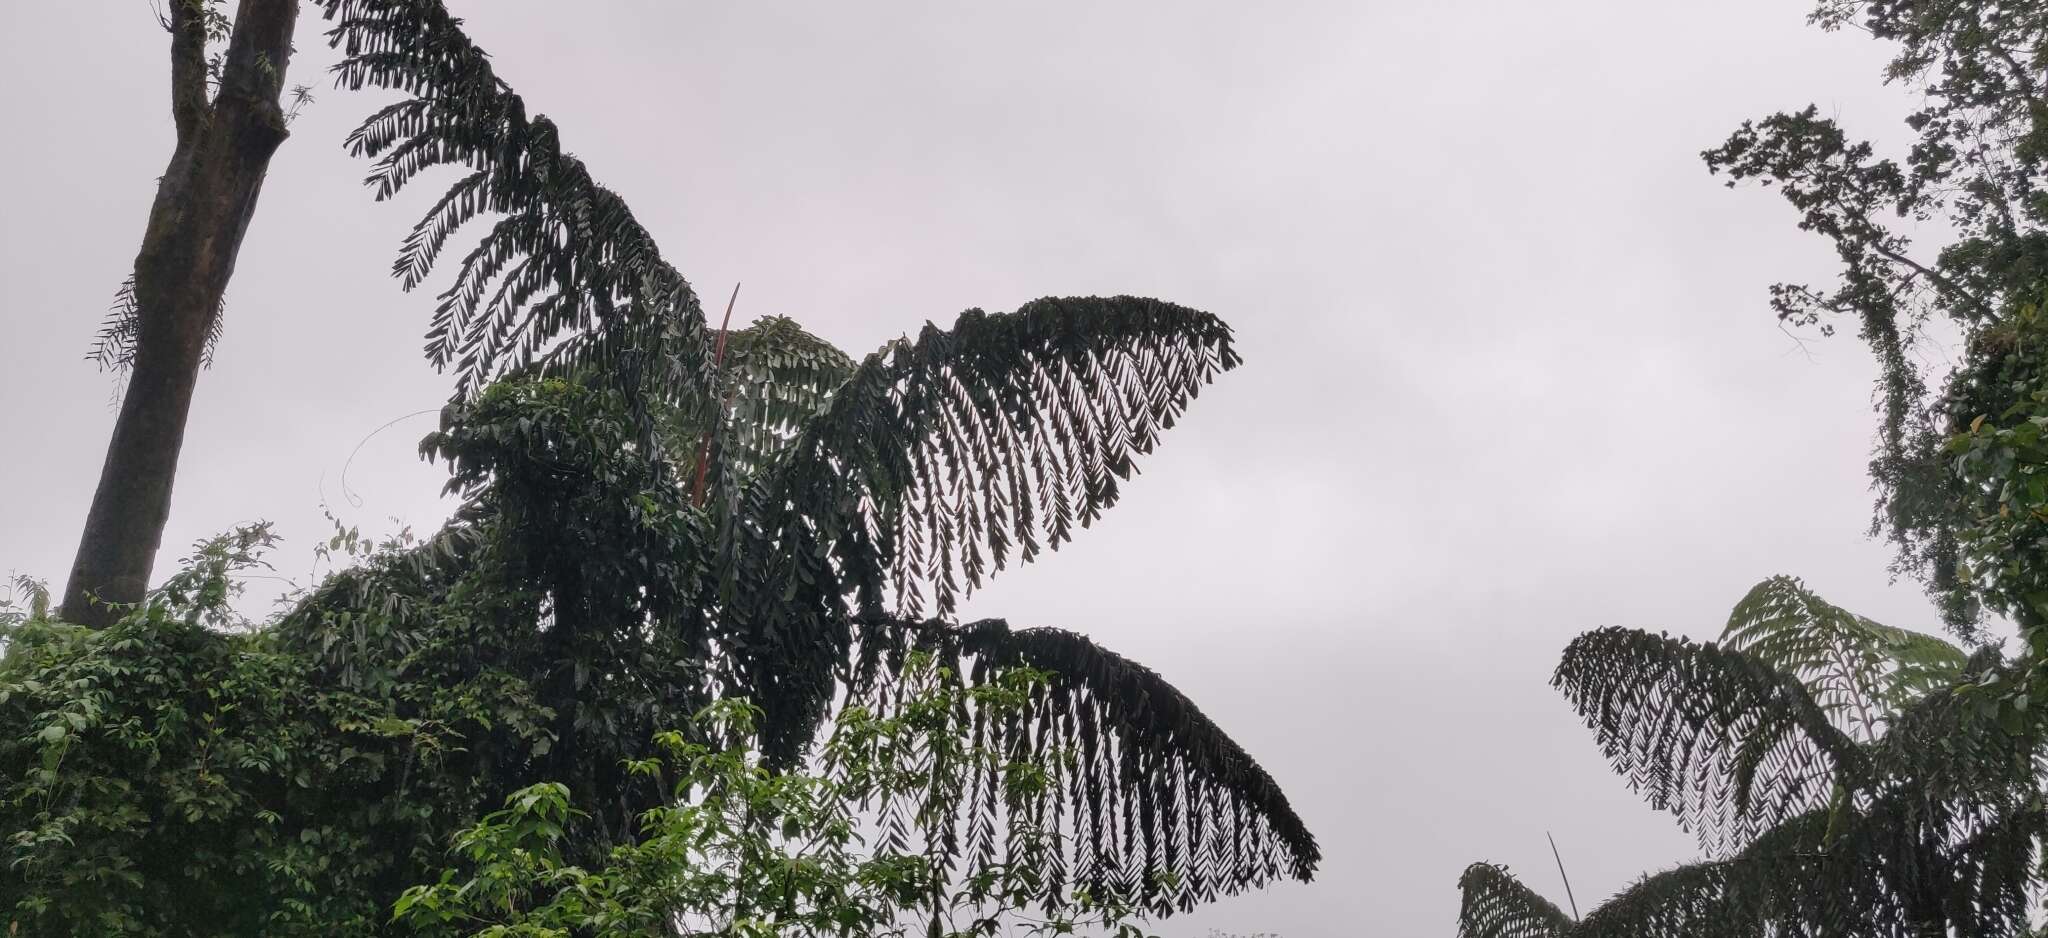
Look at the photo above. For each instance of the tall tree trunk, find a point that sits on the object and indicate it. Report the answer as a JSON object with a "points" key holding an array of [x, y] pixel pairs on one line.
{"points": [[203, 205]]}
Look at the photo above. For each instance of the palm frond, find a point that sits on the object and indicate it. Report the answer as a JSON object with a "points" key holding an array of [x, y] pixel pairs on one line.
{"points": [[1786, 884], [1783, 886], [1158, 801], [566, 277], [1946, 746], [1494, 904], [1689, 900], [1728, 744], [1858, 670], [1995, 873], [1957, 803], [943, 458]]}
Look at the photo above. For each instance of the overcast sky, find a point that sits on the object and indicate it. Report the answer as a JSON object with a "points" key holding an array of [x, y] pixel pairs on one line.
{"points": [[1510, 374]]}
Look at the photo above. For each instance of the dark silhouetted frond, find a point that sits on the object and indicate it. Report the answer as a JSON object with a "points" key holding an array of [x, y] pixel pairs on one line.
{"points": [[1947, 748], [1689, 901], [1787, 884], [1957, 802], [1996, 872], [565, 276], [942, 459], [1936, 823], [1728, 744], [1781, 887], [1932, 825], [777, 378], [1496, 905], [1158, 801]]}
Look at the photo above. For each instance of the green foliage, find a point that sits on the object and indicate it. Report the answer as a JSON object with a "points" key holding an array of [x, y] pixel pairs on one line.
{"points": [[2000, 463], [1979, 68], [149, 763], [1842, 786], [775, 378], [23, 598], [1858, 670], [565, 619], [1850, 778], [1943, 803], [171, 750]]}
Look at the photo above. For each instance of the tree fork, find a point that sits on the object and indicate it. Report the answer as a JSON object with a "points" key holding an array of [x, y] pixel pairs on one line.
{"points": [[196, 225]]}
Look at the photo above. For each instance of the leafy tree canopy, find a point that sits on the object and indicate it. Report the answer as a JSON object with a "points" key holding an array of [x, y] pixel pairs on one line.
{"points": [[1974, 172]]}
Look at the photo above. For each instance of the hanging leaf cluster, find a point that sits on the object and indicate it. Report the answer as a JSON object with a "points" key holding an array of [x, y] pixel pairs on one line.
{"points": [[1156, 801]]}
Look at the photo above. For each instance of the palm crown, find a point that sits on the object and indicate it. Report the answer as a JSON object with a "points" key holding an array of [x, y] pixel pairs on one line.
{"points": [[1837, 771], [845, 501]]}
